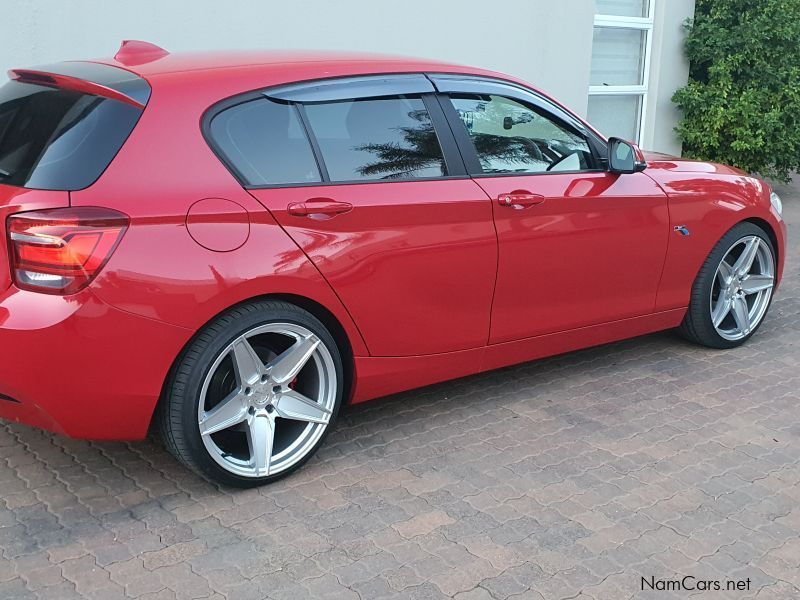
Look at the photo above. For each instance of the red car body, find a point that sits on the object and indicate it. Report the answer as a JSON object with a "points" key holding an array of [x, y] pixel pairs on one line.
{"points": [[422, 281]]}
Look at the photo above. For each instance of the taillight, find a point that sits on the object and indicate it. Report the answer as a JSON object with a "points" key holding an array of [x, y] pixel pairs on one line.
{"points": [[60, 251]]}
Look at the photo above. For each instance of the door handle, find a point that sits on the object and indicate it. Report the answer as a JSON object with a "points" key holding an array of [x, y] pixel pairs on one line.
{"points": [[319, 208], [520, 200]]}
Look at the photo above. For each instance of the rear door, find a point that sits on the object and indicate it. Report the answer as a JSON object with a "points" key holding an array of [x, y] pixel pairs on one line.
{"points": [[361, 174]]}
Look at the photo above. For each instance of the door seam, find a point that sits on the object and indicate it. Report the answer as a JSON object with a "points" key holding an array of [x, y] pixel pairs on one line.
{"points": [[321, 274]]}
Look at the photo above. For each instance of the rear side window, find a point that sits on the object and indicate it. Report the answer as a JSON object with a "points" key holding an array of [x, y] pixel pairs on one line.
{"points": [[269, 142], [264, 142], [377, 139], [58, 139]]}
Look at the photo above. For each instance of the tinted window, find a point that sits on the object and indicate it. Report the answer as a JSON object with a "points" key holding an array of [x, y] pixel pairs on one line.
{"points": [[385, 138], [57, 139], [264, 141], [511, 137]]}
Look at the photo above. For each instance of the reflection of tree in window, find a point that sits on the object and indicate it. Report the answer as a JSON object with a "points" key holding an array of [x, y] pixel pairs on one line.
{"points": [[401, 160]]}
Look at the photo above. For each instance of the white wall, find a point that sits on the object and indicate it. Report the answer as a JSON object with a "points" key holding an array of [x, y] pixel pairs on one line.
{"points": [[669, 70], [547, 42]]}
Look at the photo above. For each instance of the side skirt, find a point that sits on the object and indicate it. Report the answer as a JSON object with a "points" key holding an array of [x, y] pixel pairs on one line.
{"points": [[378, 376]]}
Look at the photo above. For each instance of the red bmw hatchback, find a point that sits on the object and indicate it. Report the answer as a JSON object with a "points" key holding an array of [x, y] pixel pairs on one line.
{"points": [[233, 246]]}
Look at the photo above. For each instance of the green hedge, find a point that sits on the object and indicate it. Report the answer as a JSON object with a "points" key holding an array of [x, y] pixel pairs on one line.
{"points": [[742, 103]]}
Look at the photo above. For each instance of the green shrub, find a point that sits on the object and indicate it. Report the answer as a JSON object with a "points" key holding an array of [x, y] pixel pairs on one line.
{"points": [[742, 103]]}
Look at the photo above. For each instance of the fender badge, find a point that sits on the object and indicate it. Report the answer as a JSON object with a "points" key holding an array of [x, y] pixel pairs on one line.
{"points": [[682, 229]]}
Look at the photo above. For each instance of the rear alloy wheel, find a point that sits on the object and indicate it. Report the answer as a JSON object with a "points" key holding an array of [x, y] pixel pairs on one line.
{"points": [[256, 405], [733, 290]]}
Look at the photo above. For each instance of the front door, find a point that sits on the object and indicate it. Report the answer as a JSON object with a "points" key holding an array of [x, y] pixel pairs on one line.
{"points": [[578, 245]]}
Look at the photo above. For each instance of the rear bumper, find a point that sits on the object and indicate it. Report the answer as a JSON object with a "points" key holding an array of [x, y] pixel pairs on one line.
{"points": [[81, 368]]}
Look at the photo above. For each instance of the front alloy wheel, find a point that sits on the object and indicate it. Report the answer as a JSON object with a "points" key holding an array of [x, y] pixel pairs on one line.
{"points": [[264, 397], [742, 288], [733, 289]]}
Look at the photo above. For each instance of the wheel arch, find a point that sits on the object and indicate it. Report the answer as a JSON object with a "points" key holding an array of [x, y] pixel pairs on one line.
{"points": [[336, 329], [770, 231], [758, 222], [698, 326]]}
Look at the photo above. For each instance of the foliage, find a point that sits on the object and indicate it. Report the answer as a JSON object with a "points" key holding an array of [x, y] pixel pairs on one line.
{"points": [[742, 103]]}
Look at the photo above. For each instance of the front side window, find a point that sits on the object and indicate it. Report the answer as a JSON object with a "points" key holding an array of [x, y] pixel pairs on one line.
{"points": [[376, 139], [264, 141], [511, 137]]}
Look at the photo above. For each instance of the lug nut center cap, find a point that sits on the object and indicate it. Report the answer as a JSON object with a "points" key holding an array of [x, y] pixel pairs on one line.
{"points": [[263, 400]]}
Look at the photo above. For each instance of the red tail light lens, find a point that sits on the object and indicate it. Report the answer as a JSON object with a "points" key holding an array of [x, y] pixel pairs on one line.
{"points": [[60, 251]]}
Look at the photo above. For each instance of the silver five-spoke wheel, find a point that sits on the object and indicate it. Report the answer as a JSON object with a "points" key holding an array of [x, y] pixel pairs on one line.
{"points": [[742, 288], [267, 400]]}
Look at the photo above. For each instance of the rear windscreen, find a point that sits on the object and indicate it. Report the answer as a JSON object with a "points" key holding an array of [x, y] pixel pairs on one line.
{"points": [[59, 139]]}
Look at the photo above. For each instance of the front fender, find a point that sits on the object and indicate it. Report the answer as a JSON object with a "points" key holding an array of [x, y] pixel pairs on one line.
{"points": [[708, 204]]}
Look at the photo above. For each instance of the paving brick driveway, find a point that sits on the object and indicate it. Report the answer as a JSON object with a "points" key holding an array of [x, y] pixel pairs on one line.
{"points": [[571, 477]]}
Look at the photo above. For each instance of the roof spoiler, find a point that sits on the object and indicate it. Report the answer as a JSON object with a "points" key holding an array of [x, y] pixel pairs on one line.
{"points": [[88, 78]]}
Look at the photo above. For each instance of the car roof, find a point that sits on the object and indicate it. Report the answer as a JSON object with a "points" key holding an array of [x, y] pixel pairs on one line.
{"points": [[220, 74], [187, 62], [147, 62]]}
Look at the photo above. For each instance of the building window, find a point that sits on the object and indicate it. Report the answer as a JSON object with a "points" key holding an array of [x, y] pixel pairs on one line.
{"points": [[623, 31]]}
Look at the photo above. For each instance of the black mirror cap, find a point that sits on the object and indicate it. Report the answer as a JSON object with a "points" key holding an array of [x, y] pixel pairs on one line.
{"points": [[624, 157]]}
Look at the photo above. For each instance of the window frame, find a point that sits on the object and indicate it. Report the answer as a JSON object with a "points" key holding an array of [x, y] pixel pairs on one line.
{"points": [[299, 94], [643, 24], [449, 84]]}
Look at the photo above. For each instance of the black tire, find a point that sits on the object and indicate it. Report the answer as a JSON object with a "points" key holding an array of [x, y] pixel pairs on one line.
{"points": [[697, 325], [177, 416]]}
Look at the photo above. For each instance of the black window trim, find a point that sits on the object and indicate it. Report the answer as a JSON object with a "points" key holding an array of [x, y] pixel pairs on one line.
{"points": [[352, 88], [466, 147], [454, 163], [342, 89], [312, 140], [447, 84]]}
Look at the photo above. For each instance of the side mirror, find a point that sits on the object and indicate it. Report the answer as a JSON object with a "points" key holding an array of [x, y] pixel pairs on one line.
{"points": [[624, 157]]}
